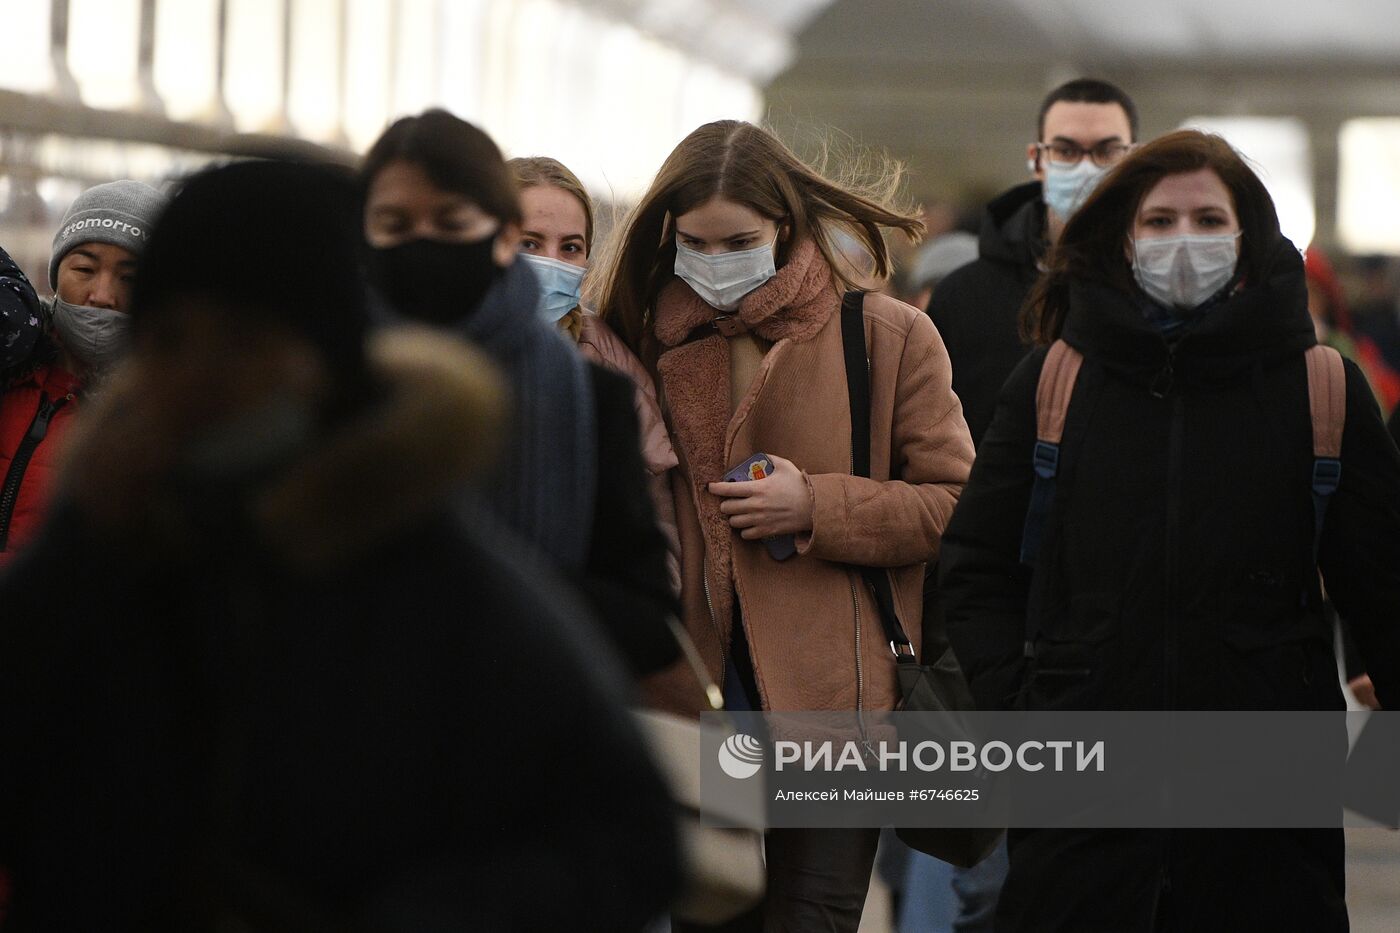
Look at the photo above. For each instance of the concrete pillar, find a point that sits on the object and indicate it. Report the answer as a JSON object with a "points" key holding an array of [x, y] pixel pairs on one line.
{"points": [[65, 88], [1326, 164]]}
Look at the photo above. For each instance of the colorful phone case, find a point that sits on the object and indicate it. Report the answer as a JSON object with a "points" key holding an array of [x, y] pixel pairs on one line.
{"points": [[760, 466]]}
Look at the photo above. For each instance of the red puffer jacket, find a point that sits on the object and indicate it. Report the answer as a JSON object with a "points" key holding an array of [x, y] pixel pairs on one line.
{"points": [[35, 412]]}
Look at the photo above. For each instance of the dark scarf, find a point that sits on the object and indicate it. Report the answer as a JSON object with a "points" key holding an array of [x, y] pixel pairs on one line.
{"points": [[546, 483]]}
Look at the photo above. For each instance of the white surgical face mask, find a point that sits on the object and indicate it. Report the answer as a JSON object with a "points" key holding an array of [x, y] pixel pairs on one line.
{"points": [[1066, 188], [722, 280], [1183, 271], [96, 336], [561, 285]]}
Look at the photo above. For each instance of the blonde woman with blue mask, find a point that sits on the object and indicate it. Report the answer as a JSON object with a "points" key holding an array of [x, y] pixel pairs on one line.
{"points": [[557, 242]]}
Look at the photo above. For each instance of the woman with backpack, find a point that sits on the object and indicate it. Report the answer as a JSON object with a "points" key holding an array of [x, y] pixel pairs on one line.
{"points": [[1162, 481], [725, 282]]}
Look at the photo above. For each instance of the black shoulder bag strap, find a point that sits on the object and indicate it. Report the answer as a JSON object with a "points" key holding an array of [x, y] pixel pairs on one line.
{"points": [[858, 388]]}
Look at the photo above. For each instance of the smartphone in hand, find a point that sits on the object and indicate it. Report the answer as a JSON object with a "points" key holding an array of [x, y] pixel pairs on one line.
{"points": [[760, 466]]}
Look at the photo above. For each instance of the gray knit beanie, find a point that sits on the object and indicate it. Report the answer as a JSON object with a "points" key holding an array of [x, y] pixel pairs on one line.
{"points": [[119, 212]]}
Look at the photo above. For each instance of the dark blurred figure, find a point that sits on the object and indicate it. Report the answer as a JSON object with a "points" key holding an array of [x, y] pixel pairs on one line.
{"points": [[442, 214], [255, 674], [1084, 127], [1333, 324], [1377, 307], [52, 357], [936, 258]]}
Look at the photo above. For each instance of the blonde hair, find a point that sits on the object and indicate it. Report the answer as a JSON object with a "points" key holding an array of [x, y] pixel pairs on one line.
{"points": [[544, 172], [749, 165]]}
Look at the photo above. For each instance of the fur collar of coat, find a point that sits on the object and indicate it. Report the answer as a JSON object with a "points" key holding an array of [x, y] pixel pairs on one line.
{"points": [[434, 427]]}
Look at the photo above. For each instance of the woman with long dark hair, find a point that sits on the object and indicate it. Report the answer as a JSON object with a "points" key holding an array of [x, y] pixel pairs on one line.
{"points": [[1145, 524]]}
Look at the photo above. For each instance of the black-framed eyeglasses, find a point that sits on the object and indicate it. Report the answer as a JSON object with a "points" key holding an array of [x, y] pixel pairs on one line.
{"points": [[1064, 152]]}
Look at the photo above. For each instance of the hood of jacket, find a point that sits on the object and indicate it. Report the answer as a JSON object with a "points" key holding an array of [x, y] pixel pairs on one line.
{"points": [[1013, 227], [1259, 323]]}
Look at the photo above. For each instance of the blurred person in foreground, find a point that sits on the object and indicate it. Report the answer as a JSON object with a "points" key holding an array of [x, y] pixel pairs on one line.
{"points": [[289, 689], [52, 358], [442, 216]]}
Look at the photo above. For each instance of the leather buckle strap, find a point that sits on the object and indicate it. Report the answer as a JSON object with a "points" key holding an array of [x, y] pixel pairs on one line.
{"points": [[730, 325], [726, 325]]}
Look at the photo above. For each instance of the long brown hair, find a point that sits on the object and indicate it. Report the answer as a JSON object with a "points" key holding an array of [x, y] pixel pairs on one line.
{"points": [[748, 165], [1094, 244]]}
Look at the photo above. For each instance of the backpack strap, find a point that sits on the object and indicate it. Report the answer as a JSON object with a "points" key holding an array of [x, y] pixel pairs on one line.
{"points": [[1052, 397], [1327, 403]]}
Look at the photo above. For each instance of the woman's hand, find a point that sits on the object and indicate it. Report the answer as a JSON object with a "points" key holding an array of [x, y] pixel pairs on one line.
{"points": [[779, 504]]}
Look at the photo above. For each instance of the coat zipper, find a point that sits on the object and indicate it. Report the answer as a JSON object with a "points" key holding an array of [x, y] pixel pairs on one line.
{"points": [[723, 647], [1174, 458], [19, 464], [1164, 386], [1167, 388]]}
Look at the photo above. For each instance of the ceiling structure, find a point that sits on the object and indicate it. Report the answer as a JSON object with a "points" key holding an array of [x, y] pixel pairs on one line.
{"points": [[952, 86]]}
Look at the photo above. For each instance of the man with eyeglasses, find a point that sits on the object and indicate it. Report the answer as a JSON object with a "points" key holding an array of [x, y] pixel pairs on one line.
{"points": [[1085, 127]]}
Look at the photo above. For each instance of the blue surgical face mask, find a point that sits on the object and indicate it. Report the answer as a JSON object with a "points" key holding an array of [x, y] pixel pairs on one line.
{"points": [[561, 285], [1066, 188]]}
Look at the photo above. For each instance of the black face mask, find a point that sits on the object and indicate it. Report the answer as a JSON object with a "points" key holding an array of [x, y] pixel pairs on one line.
{"points": [[435, 282]]}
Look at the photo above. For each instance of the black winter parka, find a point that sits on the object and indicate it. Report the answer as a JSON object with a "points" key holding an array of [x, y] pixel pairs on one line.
{"points": [[976, 308], [1179, 544], [1176, 572]]}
